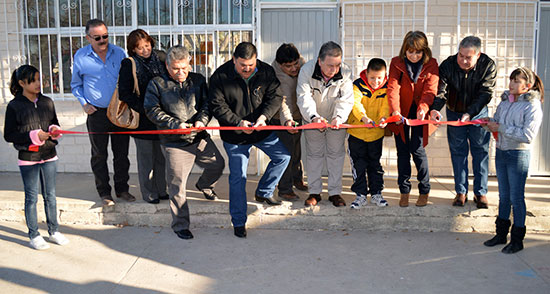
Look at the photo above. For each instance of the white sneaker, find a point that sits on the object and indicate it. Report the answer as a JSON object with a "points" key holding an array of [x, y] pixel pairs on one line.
{"points": [[359, 201], [39, 243], [378, 200], [58, 239]]}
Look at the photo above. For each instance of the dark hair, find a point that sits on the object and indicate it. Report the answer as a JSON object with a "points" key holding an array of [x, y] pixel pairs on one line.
{"points": [[24, 73], [133, 39], [245, 50], [330, 49], [287, 53], [416, 41], [531, 78], [376, 64], [92, 23]]}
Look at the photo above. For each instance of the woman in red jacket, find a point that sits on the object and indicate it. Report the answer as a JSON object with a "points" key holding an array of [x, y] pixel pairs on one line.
{"points": [[412, 86]]}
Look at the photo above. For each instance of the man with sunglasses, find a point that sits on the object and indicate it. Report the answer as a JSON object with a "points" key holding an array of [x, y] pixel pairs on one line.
{"points": [[94, 79]]}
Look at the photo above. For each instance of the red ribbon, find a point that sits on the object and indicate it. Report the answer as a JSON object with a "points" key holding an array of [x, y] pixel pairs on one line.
{"points": [[310, 126]]}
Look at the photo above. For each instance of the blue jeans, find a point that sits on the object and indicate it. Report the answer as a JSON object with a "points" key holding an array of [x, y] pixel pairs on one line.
{"points": [[512, 167], [34, 176], [465, 139], [238, 165]]}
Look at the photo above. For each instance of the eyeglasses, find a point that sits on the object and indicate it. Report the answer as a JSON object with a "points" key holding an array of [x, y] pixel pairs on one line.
{"points": [[97, 38]]}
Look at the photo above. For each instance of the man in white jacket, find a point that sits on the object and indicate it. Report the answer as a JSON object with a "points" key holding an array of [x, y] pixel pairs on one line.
{"points": [[325, 93]]}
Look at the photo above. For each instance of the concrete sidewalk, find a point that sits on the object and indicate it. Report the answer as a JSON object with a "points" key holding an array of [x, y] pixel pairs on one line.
{"points": [[78, 203], [109, 259]]}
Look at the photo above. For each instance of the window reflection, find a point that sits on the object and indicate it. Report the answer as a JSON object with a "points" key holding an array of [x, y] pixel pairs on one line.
{"points": [[168, 21]]}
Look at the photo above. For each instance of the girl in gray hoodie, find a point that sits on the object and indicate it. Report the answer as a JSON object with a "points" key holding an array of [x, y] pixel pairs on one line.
{"points": [[517, 121]]}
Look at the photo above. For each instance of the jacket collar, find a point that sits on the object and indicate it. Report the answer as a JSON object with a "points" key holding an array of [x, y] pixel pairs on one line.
{"points": [[19, 96], [529, 96], [232, 73], [363, 76], [318, 75]]}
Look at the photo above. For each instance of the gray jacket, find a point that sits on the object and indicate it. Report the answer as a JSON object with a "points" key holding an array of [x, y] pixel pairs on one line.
{"points": [[519, 121], [329, 100]]}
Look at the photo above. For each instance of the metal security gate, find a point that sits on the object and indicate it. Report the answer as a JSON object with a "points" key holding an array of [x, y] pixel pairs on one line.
{"points": [[308, 26], [49, 32], [376, 28]]}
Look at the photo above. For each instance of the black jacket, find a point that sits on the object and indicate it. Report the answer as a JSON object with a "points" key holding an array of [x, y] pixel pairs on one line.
{"points": [[146, 69], [23, 116], [465, 92], [232, 100], [168, 103]]}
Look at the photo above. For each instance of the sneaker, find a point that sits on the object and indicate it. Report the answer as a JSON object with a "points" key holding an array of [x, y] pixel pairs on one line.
{"points": [[39, 243], [378, 200], [58, 239], [359, 201]]}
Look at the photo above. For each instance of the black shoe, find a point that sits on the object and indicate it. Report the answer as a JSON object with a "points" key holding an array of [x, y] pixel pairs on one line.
{"points": [[240, 232], [268, 200], [126, 196], [184, 234], [209, 194], [503, 226], [164, 197], [154, 201], [516, 240]]}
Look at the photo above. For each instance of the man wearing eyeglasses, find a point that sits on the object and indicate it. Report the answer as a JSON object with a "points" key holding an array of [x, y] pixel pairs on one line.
{"points": [[95, 74]]}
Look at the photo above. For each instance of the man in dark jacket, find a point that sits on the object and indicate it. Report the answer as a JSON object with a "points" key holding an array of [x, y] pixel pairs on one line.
{"points": [[466, 85], [244, 92], [179, 101]]}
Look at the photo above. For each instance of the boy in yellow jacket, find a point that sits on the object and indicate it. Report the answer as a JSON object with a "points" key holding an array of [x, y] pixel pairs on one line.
{"points": [[365, 144]]}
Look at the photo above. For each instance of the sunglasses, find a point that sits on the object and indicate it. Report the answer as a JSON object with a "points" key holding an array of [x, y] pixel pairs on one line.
{"points": [[97, 38]]}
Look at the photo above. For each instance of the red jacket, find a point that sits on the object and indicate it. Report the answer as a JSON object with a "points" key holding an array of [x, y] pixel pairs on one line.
{"points": [[402, 91]]}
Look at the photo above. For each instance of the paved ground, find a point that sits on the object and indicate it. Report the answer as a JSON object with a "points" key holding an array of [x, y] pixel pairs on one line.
{"points": [[108, 259]]}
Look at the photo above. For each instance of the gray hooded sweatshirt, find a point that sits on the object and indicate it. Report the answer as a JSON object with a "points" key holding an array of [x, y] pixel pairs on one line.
{"points": [[519, 121]]}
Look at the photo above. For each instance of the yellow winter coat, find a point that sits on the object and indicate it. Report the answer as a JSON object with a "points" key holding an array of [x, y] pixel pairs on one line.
{"points": [[373, 103]]}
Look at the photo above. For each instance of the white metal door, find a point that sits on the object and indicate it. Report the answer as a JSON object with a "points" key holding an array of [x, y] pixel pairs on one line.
{"points": [[306, 27]]}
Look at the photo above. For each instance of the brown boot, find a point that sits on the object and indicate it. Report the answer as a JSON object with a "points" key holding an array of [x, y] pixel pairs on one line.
{"points": [[481, 201], [460, 200], [404, 200], [422, 200]]}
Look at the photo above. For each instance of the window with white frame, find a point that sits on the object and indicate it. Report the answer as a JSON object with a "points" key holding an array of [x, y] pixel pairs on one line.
{"points": [[507, 29], [51, 31], [375, 28]]}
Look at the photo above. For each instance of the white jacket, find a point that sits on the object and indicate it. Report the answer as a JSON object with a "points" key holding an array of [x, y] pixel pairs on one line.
{"points": [[330, 100]]}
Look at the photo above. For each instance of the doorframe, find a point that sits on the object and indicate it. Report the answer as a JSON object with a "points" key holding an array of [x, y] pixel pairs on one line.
{"points": [[541, 5], [285, 5]]}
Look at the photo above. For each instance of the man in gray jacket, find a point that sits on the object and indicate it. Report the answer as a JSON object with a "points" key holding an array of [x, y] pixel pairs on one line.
{"points": [[325, 93], [287, 66]]}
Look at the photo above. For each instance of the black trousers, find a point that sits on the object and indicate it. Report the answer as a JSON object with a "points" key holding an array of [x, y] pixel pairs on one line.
{"points": [[294, 171], [98, 122], [368, 174]]}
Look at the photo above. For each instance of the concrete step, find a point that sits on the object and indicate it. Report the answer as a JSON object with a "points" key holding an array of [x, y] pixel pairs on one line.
{"points": [[77, 203]]}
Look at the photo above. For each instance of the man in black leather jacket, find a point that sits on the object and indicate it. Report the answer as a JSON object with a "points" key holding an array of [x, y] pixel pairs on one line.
{"points": [[245, 92], [466, 86], [179, 101]]}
